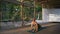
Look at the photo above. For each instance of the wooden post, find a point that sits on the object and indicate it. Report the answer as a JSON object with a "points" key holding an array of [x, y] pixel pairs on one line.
{"points": [[34, 9], [22, 13]]}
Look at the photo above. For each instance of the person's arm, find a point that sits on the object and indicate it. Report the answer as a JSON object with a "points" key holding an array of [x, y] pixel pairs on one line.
{"points": [[31, 25]]}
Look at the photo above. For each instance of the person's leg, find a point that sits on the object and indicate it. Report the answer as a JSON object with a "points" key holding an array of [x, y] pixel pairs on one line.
{"points": [[36, 28]]}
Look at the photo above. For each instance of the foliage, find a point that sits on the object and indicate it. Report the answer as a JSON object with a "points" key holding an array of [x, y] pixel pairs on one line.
{"points": [[26, 19], [9, 10]]}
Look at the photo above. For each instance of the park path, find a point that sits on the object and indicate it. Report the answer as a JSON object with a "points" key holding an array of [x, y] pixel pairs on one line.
{"points": [[52, 28]]}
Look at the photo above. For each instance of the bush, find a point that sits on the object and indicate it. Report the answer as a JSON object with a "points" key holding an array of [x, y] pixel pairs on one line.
{"points": [[27, 19]]}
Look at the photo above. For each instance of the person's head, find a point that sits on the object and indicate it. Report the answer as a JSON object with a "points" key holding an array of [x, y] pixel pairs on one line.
{"points": [[34, 19]]}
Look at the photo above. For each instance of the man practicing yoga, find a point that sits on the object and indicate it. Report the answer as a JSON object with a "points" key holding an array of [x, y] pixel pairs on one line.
{"points": [[34, 25]]}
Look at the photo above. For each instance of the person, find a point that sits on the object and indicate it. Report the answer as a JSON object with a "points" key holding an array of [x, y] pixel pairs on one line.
{"points": [[34, 25]]}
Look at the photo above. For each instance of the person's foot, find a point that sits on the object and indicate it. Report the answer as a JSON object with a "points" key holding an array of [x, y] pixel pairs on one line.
{"points": [[36, 31]]}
